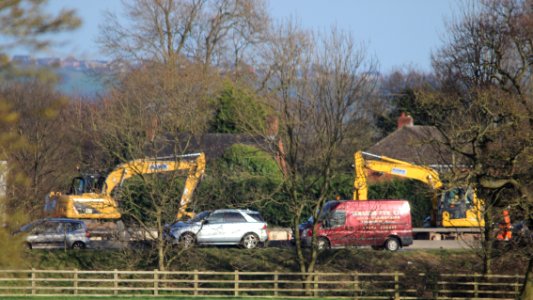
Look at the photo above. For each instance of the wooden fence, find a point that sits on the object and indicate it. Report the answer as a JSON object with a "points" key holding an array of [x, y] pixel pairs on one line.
{"points": [[258, 284]]}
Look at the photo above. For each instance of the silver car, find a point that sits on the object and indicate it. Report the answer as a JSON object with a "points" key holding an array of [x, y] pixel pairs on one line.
{"points": [[221, 227], [56, 233]]}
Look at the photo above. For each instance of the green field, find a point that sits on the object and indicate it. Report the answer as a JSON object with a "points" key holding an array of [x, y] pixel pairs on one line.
{"points": [[141, 298], [280, 259]]}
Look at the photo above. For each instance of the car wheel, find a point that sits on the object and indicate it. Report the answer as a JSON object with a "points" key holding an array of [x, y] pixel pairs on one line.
{"points": [[392, 244], [250, 241], [187, 240], [27, 246], [78, 245], [323, 244]]}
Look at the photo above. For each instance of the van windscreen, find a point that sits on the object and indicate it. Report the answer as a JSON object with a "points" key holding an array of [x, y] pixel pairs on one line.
{"points": [[327, 208]]}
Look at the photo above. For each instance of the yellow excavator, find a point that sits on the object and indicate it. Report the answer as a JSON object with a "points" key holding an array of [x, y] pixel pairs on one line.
{"points": [[456, 207], [90, 197]]}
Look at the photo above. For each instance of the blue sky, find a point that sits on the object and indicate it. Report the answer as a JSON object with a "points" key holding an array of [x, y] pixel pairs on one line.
{"points": [[399, 33]]}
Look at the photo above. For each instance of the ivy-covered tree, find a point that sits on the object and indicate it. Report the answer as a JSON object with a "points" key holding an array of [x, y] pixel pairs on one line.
{"points": [[246, 177], [238, 110]]}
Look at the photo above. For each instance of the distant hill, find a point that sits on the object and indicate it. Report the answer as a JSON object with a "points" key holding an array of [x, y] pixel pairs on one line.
{"points": [[80, 78], [81, 83]]}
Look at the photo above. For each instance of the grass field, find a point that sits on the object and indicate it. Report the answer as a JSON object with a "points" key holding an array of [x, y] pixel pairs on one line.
{"points": [[280, 259], [143, 298]]}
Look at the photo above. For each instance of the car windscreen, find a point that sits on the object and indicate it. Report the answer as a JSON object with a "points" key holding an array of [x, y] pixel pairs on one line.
{"points": [[29, 226], [199, 217]]}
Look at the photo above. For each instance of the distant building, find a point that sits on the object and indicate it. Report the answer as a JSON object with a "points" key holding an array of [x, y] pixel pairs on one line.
{"points": [[48, 62], [70, 62], [23, 59], [95, 64]]}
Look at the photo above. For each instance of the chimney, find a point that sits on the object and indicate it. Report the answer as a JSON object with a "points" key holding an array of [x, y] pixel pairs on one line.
{"points": [[272, 124], [272, 130], [405, 120], [151, 129]]}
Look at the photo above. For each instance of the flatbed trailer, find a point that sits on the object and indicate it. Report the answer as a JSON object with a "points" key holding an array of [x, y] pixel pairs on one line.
{"points": [[448, 233]]}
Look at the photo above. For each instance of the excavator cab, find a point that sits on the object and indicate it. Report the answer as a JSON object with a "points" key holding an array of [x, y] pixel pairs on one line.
{"points": [[456, 202], [86, 184], [459, 207]]}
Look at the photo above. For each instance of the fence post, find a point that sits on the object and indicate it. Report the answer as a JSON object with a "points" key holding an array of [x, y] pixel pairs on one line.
{"points": [[236, 286], [315, 287], [437, 288], [276, 278], [33, 283], [156, 283], [422, 289], [355, 286], [476, 293], [75, 281], [115, 282], [396, 286], [517, 285], [195, 282]]}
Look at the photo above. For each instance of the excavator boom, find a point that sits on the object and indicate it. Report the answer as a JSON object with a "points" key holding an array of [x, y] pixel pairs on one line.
{"points": [[85, 203], [391, 166], [150, 166]]}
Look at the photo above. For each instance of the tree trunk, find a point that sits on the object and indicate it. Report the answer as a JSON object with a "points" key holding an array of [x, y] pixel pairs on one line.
{"points": [[161, 255], [527, 289], [160, 240], [487, 257], [487, 244]]}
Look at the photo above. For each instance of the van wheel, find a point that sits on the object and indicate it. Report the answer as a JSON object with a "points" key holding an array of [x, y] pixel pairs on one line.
{"points": [[392, 244], [323, 244], [78, 245]]}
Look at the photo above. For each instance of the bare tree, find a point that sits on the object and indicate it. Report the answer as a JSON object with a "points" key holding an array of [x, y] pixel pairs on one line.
{"points": [[25, 21], [171, 30], [22, 22], [47, 156], [146, 115], [489, 136], [319, 85], [489, 44], [486, 113]]}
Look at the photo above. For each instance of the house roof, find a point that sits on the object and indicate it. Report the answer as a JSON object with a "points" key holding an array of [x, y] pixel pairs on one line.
{"points": [[212, 144], [416, 144]]}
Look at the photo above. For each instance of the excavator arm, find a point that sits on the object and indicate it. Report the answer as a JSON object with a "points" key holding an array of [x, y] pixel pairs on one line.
{"points": [[196, 172], [195, 168], [391, 166], [459, 207], [154, 165]]}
